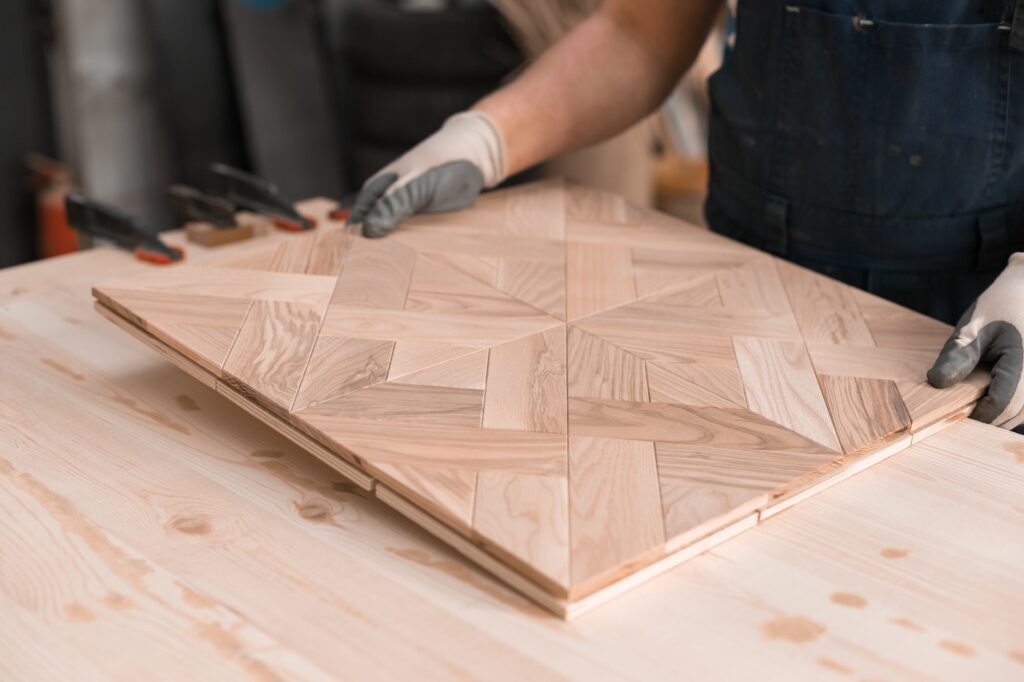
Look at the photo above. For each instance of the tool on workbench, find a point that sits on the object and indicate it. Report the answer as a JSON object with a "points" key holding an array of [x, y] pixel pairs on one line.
{"points": [[106, 222], [344, 207], [191, 205], [251, 193], [208, 220]]}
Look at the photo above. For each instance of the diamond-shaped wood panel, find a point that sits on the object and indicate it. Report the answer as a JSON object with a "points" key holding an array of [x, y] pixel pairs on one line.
{"points": [[574, 392]]}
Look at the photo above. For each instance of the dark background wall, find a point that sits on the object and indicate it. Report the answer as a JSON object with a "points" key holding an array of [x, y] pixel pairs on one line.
{"points": [[26, 123]]}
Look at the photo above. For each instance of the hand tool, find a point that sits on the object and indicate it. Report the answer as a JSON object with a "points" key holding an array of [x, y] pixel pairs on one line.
{"points": [[344, 207], [191, 205], [208, 220], [251, 193], [100, 220]]}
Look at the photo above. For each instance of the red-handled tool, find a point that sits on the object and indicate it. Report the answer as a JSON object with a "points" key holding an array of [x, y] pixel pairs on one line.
{"points": [[344, 208]]}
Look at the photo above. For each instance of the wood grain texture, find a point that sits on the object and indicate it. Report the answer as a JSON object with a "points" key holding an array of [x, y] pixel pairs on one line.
{"points": [[599, 277], [720, 427], [415, 356], [526, 384], [597, 369], [338, 366], [592, 204], [437, 367], [865, 411], [449, 492], [541, 285], [228, 552], [536, 210], [270, 353], [467, 371], [698, 291], [439, 287], [871, 363], [221, 282], [527, 516], [207, 330], [375, 274], [614, 504], [928, 405], [702, 487], [407, 403], [293, 255], [328, 253], [707, 384], [826, 310], [756, 284], [435, 328], [780, 384]]}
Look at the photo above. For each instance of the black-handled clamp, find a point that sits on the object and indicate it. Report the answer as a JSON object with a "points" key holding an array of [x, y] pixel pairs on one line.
{"points": [[100, 220]]}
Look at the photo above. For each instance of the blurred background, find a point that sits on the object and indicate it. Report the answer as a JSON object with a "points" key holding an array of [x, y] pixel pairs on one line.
{"points": [[120, 98]]}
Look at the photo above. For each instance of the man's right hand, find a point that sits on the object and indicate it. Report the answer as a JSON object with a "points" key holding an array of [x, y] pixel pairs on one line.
{"points": [[445, 172]]}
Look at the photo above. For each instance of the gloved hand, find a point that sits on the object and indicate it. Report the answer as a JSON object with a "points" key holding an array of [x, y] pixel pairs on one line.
{"points": [[990, 330], [445, 172]]}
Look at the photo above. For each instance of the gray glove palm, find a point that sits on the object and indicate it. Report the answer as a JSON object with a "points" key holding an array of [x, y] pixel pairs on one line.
{"points": [[990, 331], [445, 172]]}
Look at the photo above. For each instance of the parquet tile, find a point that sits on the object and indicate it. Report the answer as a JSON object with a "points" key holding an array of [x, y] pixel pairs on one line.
{"points": [[575, 387]]}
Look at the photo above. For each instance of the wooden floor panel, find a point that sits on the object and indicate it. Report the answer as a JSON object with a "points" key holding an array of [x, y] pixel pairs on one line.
{"points": [[574, 387]]}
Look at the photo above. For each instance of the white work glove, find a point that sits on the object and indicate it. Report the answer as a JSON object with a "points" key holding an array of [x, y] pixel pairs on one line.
{"points": [[990, 331], [445, 172]]}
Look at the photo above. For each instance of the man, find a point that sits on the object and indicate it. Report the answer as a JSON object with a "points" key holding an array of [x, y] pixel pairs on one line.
{"points": [[880, 142]]}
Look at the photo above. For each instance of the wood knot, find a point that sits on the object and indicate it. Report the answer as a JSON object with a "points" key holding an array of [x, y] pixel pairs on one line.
{"points": [[314, 511], [191, 525]]}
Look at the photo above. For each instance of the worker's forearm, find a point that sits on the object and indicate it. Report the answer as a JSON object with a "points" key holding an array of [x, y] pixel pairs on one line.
{"points": [[604, 76]]}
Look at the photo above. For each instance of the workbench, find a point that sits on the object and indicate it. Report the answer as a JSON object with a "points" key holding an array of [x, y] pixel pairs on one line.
{"points": [[150, 529]]}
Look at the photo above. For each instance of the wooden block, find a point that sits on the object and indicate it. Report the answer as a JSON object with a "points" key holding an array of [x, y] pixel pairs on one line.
{"points": [[413, 356], [597, 369], [446, 492], [614, 504], [338, 365], [825, 309], [526, 516], [599, 277], [713, 426], [695, 385], [467, 371], [293, 254], [203, 328], [865, 411], [753, 285], [406, 403], [205, 234], [780, 384], [457, 329], [706, 488], [536, 210], [270, 353], [526, 384], [541, 285], [375, 275]]}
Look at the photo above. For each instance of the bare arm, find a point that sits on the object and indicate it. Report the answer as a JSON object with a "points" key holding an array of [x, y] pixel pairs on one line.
{"points": [[604, 76]]}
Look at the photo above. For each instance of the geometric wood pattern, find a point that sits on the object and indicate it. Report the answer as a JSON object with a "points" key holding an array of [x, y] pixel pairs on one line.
{"points": [[573, 391]]}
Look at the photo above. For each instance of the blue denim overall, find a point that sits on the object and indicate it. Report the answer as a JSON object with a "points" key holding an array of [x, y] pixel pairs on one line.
{"points": [[879, 142]]}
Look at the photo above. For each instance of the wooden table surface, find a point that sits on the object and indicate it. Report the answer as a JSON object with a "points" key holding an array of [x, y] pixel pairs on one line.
{"points": [[151, 530]]}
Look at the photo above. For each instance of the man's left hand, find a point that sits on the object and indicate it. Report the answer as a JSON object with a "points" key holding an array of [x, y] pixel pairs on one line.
{"points": [[990, 331]]}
